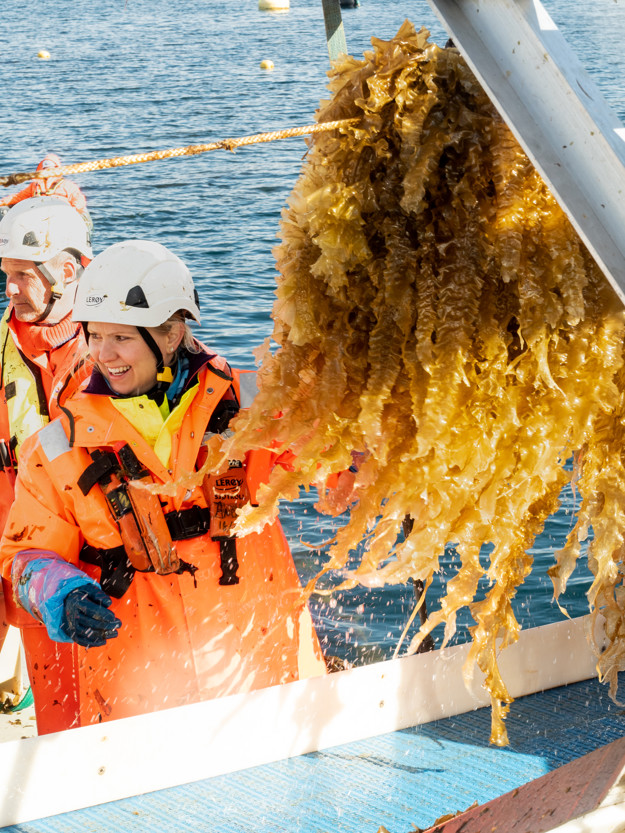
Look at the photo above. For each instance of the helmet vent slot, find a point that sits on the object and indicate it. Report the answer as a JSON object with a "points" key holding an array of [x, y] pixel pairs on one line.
{"points": [[30, 239], [136, 298]]}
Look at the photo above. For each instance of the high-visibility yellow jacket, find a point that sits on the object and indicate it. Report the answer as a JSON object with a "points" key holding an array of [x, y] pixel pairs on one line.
{"points": [[184, 637]]}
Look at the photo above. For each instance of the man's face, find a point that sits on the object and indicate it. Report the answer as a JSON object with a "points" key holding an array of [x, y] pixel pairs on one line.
{"points": [[26, 287]]}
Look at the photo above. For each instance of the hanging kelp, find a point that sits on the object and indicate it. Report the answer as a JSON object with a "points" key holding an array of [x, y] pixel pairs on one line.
{"points": [[437, 313]]}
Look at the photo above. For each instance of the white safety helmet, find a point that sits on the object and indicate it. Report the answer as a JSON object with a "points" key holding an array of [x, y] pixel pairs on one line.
{"points": [[37, 229], [135, 282]]}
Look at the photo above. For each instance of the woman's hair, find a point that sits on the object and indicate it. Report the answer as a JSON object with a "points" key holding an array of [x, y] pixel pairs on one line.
{"points": [[189, 342]]}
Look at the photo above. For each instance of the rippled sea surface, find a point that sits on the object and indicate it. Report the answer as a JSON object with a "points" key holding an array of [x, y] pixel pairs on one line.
{"points": [[126, 76]]}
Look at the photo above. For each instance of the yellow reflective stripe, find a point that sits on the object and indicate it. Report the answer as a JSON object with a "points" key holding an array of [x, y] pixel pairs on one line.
{"points": [[23, 407]]}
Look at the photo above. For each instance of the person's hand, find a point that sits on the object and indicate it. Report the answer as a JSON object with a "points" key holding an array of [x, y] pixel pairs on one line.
{"points": [[87, 619], [341, 494], [336, 500]]}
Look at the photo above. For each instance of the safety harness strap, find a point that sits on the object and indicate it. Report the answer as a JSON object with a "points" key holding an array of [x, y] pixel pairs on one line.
{"points": [[116, 573], [102, 466], [228, 562]]}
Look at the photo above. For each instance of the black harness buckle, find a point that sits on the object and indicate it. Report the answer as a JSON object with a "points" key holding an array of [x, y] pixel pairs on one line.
{"points": [[189, 523]]}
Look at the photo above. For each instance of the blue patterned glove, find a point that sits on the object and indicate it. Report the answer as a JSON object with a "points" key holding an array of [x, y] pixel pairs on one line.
{"points": [[86, 618]]}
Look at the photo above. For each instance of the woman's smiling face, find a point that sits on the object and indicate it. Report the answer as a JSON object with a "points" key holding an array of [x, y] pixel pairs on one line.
{"points": [[123, 357]]}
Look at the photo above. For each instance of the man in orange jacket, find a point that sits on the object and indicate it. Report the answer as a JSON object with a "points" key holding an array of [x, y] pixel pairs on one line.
{"points": [[44, 246], [55, 186]]}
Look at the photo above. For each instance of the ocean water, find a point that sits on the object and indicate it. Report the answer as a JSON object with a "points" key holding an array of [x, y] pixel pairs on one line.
{"points": [[126, 76]]}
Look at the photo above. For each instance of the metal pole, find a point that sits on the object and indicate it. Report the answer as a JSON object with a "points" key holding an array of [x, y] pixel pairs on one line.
{"points": [[335, 34]]}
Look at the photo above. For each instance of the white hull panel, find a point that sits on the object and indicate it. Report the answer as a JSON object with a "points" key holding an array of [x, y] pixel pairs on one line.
{"points": [[138, 755]]}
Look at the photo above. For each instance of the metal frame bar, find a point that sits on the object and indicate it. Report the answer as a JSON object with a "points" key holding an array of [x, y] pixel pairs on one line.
{"points": [[556, 112]]}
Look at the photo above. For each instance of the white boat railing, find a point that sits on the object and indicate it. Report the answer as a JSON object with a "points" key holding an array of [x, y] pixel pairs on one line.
{"points": [[136, 755]]}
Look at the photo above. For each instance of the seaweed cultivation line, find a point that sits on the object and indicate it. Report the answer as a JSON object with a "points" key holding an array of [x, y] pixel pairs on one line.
{"points": [[437, 314]]}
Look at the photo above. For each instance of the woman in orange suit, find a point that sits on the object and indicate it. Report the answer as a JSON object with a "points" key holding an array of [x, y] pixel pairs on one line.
{"points": [[119, 540]]}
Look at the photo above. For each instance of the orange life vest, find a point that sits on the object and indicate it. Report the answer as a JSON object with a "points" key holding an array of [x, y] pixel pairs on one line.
{"points": [[64, 188]]}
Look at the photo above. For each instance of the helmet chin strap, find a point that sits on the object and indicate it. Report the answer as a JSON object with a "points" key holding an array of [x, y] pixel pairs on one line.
{"points": [[164, 375], [62, 298]]}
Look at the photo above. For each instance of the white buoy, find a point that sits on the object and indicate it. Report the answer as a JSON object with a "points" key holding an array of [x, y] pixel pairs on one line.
{"points": [[266, 64], [273, 5], [43, 54]]}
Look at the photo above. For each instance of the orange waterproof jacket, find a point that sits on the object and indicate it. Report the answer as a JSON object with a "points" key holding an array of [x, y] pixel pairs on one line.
{"points": [[184, 638], [40, 367], [64, 188]]}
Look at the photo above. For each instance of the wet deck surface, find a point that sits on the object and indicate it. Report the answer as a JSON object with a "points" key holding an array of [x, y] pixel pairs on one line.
{"points": [[402, 780]]}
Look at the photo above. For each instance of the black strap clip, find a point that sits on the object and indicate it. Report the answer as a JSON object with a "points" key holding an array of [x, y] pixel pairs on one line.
{"points": [[104, 463], [188, 523]]}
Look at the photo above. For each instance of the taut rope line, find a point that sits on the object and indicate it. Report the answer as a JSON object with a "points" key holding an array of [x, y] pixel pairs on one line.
{"points": [[189, 150]]}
